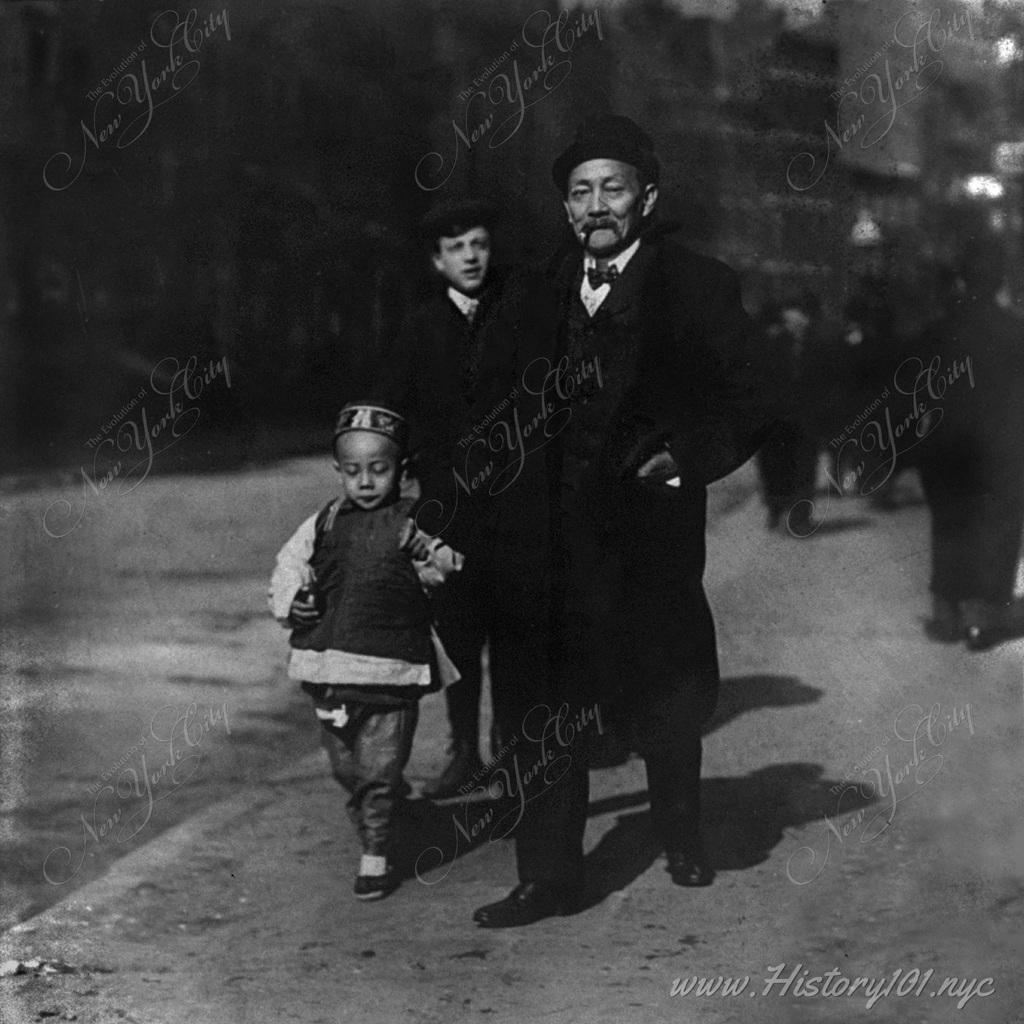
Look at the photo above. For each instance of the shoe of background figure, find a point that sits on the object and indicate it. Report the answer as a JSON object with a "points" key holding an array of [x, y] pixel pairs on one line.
{"points": [[690, 867], [527, 903], [983, 625], [462, 767], [946, 625]]}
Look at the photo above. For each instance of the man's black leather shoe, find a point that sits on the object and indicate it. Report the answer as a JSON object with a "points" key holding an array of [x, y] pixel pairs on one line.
{"points": [[526, 903], [690, 869]]}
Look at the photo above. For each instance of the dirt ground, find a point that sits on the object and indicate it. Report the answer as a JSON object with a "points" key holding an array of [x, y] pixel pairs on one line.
{"points": [[863, 808]]}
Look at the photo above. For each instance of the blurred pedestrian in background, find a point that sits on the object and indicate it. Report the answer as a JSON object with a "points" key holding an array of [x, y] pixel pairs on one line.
{"points": [[972, 466], [788, 462]]}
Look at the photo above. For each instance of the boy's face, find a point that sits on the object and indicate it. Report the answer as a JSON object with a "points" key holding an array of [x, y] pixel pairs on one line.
{"points": [[368, 464], [462, 259]]}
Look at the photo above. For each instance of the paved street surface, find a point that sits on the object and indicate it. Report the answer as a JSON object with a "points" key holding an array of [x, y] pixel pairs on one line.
{"points": [[862, 793]]}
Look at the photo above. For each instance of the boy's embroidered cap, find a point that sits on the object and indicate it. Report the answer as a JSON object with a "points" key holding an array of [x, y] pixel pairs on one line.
{"points": [[375, 418]]}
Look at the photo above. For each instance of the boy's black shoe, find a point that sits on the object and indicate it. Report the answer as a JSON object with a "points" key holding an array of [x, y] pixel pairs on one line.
{"points": [[373, 887]]}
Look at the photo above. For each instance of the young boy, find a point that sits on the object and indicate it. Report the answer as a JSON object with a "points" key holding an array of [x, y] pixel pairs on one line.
{"points": [[351, 582]]}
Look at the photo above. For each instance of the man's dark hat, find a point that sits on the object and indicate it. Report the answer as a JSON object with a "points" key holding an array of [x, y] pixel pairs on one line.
{"points": [[455, 217], [608, 137]]}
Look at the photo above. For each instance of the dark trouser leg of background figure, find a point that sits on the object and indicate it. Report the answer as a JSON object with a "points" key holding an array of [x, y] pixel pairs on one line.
{"points": [[950, 554], [460, 627], [788, 465], [369, 761], [993, 541], [975, 545]]}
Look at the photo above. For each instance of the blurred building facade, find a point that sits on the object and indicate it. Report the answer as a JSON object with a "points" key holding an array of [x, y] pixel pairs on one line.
{"points": [[267, 213]]}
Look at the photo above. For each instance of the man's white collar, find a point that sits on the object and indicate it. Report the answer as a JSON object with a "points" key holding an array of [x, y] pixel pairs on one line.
{"points": [[620, 261]]}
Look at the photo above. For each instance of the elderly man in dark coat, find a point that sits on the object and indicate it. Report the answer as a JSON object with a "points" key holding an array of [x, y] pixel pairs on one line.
{"points": [[630, 359]]}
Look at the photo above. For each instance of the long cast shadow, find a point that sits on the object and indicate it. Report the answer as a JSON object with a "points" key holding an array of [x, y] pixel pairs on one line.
{"points": [[744, 818], [826, 526], [738, 695]]}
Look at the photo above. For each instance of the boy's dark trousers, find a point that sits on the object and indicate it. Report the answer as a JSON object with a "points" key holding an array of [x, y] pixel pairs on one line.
{"points": [[368, 755]]}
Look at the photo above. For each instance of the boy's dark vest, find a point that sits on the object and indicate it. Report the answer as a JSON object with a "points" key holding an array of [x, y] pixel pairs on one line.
{"points": [[374, 603]]}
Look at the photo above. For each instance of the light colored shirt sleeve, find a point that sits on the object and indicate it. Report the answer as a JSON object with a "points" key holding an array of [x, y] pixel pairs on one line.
{"points": [[292, 570], [439, 564]]}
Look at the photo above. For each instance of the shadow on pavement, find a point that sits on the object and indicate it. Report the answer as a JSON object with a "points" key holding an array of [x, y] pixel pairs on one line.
{"points": [[744, 820], [826, 526], [740, 694], [433, 835]]}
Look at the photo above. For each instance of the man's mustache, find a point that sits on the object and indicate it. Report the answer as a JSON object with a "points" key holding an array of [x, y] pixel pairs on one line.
{"points": [[595, 225]]}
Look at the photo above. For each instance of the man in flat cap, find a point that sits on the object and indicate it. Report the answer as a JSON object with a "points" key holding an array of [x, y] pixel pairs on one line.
{"points": [[432, 374], [636, 354]]}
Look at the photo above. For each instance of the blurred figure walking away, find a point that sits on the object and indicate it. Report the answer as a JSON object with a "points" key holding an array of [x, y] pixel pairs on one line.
{"points": [[788, 462], [972, 468]]}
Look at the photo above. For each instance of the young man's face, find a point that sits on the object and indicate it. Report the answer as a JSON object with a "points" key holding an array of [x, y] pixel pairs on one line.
{"points": [[462, 260], [368, 464], [605, 204]]}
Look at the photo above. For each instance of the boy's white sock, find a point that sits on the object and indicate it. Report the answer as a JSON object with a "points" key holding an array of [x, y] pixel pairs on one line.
{"points": [[373, 865]]}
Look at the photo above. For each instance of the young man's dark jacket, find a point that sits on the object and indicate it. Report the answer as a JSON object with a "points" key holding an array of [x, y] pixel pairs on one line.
{"points": [[432, 375]]}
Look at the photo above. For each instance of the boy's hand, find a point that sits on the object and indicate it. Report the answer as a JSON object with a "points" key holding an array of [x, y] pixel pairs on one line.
{"points": [[304, 611], [658, 468], [414, 542]]}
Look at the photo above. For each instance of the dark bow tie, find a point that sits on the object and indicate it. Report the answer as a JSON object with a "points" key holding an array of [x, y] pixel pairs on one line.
{"points": [[599, 277]]}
